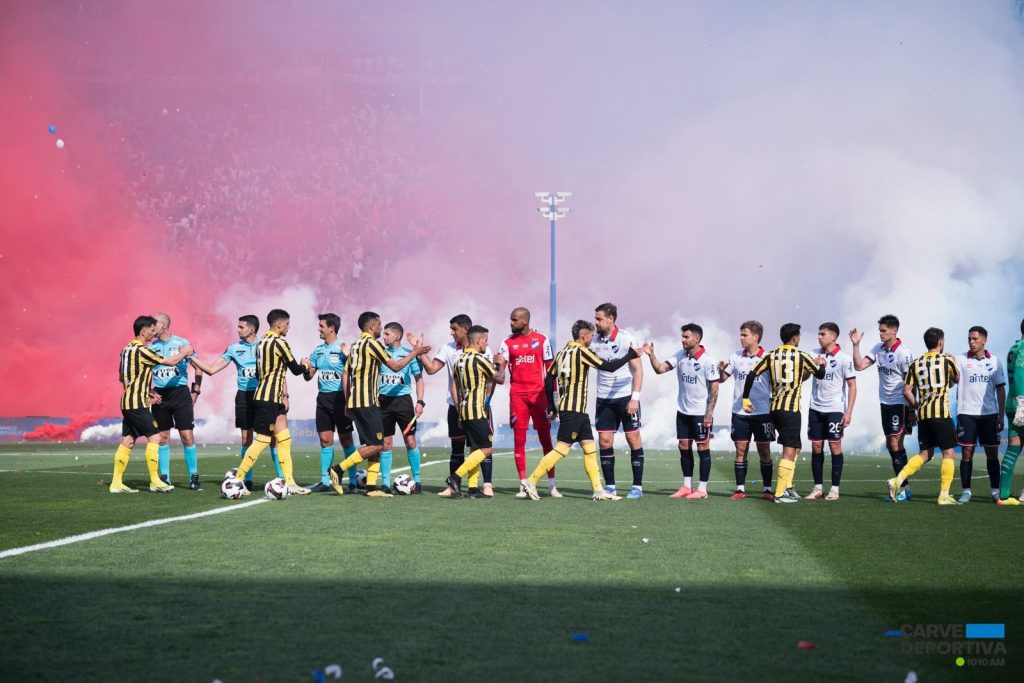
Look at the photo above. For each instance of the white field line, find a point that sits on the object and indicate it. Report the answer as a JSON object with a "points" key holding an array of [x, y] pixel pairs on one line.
{"points": [[78, 538]]}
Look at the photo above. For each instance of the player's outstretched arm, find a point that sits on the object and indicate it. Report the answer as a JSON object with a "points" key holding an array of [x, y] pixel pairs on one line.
{"points": [[613, 365], [499, 368], [723, 370], [310, 372], [430, 365], [417, 351], [859, 362], [185, 352], [211, 369], [659, 367]]}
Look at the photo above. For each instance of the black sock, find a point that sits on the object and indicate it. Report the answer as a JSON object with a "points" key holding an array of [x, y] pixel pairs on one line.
{"points": [[486, 467], [608, 466], [966, 470], [818, 467], [740, 470], [837, 469], [458, 457], [686, 460], [993, 472], [766, 474], [705, 465], [636, 461], [899, 459]]}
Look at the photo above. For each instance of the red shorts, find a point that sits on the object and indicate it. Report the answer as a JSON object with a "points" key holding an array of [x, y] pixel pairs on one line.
{"points": [[524, 406]]}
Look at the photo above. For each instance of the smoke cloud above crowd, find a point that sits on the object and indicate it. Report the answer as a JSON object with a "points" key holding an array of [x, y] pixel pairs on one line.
{"points": [[788, 161]]}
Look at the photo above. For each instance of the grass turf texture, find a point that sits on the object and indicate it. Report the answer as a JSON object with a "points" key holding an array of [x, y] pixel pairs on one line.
{"points": [[445, 589]]}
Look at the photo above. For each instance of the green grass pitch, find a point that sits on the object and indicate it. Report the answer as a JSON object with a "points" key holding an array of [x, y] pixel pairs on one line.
{"points": [[455, 590]]}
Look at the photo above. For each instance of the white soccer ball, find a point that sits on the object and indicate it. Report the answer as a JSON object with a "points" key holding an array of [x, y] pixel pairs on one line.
{"points": [[232, 473], [276, 489], [232, 488], [404, 484], [360, 479]]}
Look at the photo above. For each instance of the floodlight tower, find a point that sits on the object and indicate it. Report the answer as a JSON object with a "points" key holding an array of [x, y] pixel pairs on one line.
{"points": [[552, 208]]}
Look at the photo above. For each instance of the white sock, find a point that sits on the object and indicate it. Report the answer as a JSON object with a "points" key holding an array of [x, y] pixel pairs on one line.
{"points": [[818, 487], [551, 482], [995, 492], [688, 482], [741, 487], [835, 490], [703, 486]]}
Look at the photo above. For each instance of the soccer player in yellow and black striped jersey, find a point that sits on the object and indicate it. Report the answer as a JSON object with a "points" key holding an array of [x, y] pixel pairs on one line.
{"points": [[361, 383], [136, 375], [473, 376], [931, 377], [571, 370], [788, 368], [273, 359]]}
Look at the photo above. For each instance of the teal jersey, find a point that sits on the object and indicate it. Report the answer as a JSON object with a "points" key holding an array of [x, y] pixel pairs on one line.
{"points": [[329, 362], [165, 377], [399, 383], [243, 355], [1014, 376]]}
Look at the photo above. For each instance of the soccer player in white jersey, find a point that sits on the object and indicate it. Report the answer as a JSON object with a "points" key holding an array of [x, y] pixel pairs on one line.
{"points": [[980, 405], [893, 359], [832, 400], [446, 357], [618, 399], [697, 373], [757, 425]]}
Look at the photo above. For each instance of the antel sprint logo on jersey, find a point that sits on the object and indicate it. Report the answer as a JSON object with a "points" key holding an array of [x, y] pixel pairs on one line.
{"points": [[525, 359]]}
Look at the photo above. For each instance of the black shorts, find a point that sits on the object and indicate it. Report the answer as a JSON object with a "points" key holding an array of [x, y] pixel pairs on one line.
{"points": [[174, 410], [397, 411], [758, 427], [977, 429], [894, 419], [824, 426], [330, 413], [787, 424], [692, 427], [936, 432], [369, 425], [138, 422], [265, 416], [611, 412], [245, 410], [478, 434], [455, 430], [573, 427]]}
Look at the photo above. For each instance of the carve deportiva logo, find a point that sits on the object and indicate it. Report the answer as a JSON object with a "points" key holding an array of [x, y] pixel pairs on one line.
{"points": [[968, 644]]}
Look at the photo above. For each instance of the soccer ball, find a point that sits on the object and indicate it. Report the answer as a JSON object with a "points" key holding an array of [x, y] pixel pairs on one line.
{"points": [[232, 488], [360, 479], [276, 489], [232, 473], [404, 484]]}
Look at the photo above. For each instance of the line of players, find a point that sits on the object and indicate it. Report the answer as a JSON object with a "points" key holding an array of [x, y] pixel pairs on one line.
{"points": [[370, 389]]}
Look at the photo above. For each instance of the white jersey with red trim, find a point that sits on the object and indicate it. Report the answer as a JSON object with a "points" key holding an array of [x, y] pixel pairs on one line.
{"points": [[449, 354], [979, 377], [740, 365], [892, 364], [828, 394], [618, 384], [527, 356], [695, 372]]}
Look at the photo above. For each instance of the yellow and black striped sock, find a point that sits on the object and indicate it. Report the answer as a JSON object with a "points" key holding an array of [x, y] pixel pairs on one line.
{"points": [[548, 461], [260, 443]]}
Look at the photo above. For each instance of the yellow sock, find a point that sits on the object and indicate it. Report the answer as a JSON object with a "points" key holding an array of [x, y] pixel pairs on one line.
{"points": [[591, 467], [474, 478], [548, 461], [786, 470], [351, 461], [259, 444], [372, 472], [471, 463], [912, 466], [945, 476], [284, 456], [153, 461], [120, 464]]}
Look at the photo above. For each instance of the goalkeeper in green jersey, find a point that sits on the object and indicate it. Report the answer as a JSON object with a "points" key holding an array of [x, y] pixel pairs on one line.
{"points": [[1015, 418]]}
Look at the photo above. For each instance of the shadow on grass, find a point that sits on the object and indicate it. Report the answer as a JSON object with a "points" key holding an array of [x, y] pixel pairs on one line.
{"points": [[139, 629]]}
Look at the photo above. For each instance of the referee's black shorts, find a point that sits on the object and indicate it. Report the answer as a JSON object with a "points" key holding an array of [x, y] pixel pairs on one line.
{"points": [[245, 409], [330, 413], [397, 411], [174, 410]]}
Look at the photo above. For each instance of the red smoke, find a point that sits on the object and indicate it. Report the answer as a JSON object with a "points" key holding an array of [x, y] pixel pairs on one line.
{"points": [[72, 431]]}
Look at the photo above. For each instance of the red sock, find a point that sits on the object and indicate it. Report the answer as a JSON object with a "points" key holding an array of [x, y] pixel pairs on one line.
{"points": [[519, 450]]}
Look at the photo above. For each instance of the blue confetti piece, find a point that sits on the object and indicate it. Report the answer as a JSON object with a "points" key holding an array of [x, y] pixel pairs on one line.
{"points": [[580, 637], [894, 634], [52, 128]]}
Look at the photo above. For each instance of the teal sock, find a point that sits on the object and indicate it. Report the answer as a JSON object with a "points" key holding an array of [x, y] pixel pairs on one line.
{"points": [[241, 454], [385, 468], [192, 460], [164, 460], [349, 450], [326, 458], [414, 464], [277, 465], [1006, 472]]}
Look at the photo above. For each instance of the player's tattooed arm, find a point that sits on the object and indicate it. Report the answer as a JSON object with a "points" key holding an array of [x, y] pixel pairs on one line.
{"points": [[709, 414]]}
